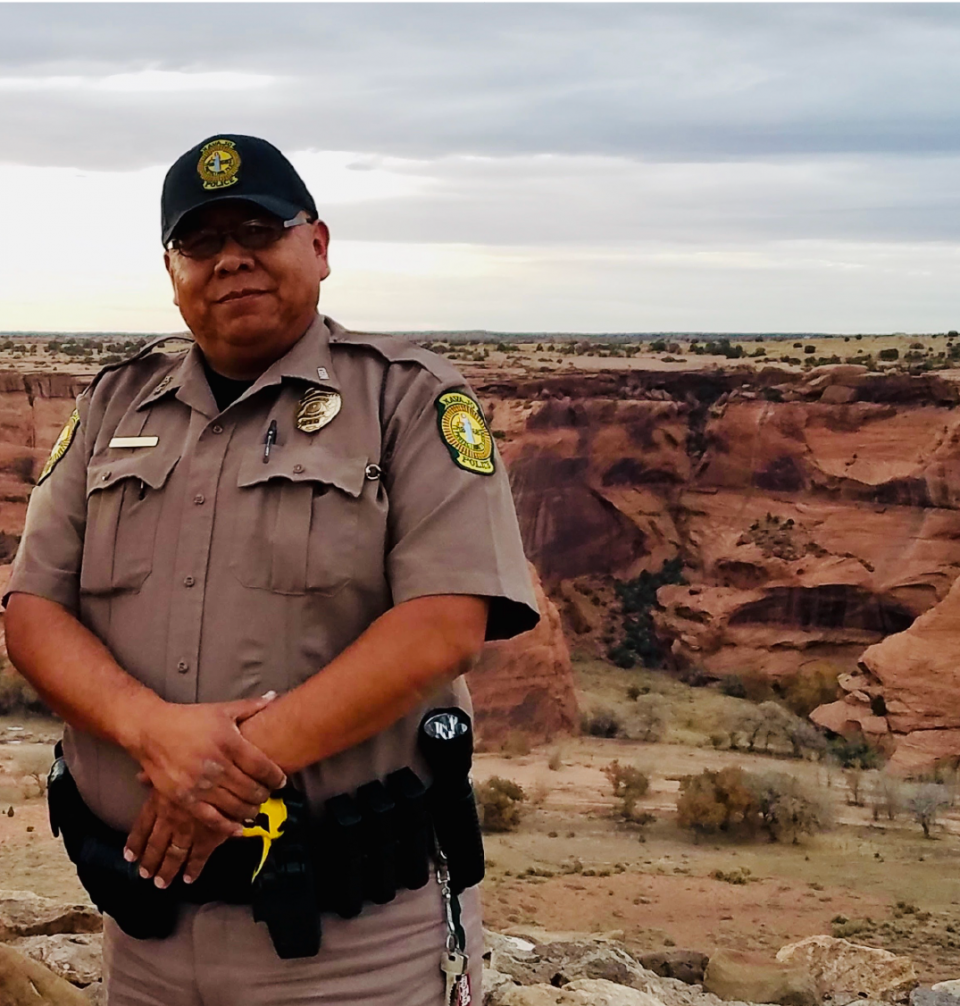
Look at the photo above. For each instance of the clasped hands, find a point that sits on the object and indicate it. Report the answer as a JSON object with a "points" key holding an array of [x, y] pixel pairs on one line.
{"points": [[205, 780]]}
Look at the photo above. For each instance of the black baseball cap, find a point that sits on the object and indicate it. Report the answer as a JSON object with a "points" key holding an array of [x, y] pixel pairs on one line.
{"points": [[229, 166]]}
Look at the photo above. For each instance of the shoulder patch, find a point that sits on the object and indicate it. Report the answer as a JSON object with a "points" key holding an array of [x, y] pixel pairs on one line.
{"points": [[464, 431], [62, 445]]}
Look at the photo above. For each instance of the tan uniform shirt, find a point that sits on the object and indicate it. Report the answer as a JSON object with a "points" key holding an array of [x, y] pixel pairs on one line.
{"points": [[211, 574]]}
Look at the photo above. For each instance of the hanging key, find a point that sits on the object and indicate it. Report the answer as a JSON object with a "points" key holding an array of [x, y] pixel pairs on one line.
{"points": [[453, 964]]}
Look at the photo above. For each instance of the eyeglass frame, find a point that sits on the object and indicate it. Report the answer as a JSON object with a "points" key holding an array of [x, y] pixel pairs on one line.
{"points": [[303, 217]]}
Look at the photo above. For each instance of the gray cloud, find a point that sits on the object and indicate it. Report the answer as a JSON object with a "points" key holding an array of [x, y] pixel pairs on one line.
{"points": [[658, 82]]}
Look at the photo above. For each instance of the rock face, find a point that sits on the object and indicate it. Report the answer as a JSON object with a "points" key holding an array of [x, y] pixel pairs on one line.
{"points": [[859, 474], [840, 967], [526, 683], [732, 975], [906, 691], [75, 957], [23, 913]]}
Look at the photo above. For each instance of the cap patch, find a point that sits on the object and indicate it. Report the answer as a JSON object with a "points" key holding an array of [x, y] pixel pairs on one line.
{"points": [[218, 165], [464, 431], [61, 446]]}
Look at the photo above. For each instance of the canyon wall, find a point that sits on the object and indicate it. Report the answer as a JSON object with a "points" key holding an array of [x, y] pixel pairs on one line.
{"points": [[816, 515]]}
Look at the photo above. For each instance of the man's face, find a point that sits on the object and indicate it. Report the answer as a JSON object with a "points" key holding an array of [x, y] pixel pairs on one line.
{"points": [[244, 302]]}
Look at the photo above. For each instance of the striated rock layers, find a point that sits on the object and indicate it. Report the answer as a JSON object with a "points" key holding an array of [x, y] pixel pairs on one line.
{"points": [[815, 514], [904, 693]]}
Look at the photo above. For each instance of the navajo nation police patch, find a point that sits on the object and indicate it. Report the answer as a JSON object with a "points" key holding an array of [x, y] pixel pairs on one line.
{"points": [[61, 446], [219, 164], [465, 433]]}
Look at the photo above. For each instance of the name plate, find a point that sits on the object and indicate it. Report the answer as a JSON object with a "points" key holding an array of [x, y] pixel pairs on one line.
{"points": [[134, 441]]}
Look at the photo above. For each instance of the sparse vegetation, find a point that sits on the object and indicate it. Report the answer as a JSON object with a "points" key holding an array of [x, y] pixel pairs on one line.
{"points": [[17, 695], [638, 597], [630, 784], [501, 804]]}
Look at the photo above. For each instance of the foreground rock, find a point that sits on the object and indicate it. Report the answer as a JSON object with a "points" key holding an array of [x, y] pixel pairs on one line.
{"points": [[688, 966], [731, 975], [586, 992], [840, 968], [75, 957], [525, 973], [26, 982], [23, 913]]}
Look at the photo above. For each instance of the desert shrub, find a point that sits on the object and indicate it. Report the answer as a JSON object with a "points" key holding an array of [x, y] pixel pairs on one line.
{"points": [[500, 802], [771, 726], [17, 695], [34, 763], [630, 784], [733, 686], [854, 752], [639, 642], [885, 796], [925, 801], [556, 761], [717, 801], [649, 721], [787, 811], [602, 723], [809, 688], [855, 784], [889, 354], [742, 876]]}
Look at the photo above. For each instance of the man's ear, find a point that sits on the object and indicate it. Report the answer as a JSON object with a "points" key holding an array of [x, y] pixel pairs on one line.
{"points": [[166, 263], [321, 245]]}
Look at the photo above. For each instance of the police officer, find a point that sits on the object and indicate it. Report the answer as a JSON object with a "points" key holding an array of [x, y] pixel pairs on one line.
{"points": [[258, 562]]}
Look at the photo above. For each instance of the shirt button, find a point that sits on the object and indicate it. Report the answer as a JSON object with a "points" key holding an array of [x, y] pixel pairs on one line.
{"points": [[183, 667], [199, 498], [188, 581], [216, 429], [105, 476], [298, 469]]}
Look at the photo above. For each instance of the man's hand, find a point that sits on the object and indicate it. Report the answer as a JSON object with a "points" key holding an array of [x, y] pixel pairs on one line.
{"points": [[166, 838], [196, 758]]}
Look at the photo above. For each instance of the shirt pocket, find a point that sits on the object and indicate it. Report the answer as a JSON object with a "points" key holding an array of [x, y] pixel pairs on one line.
{"points": [[123, 513], [297, 522]]}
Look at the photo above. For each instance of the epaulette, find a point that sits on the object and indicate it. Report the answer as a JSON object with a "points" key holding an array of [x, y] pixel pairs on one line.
{"points": [[139, 355], [394, 349]]}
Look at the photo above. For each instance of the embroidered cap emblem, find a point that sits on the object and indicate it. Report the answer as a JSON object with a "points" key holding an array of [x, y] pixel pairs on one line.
{"points": [[464, 431], [316, 409], [61, 446], [218, 165]]}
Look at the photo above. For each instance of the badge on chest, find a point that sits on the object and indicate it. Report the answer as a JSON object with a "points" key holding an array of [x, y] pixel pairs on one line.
{"points": [[316, 409]]}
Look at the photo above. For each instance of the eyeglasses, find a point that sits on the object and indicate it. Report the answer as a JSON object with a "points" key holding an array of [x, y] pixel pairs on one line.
{"points": [[254, 235]]}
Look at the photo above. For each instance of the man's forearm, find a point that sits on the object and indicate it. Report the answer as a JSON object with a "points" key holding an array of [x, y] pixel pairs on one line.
{"points": [[74, 672], [398, 661]]}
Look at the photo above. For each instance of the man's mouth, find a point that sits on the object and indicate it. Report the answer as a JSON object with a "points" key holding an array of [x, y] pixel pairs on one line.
{"points": [[240, 295]]}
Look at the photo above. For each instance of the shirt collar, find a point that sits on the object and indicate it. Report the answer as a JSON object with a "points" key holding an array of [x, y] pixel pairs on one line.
{"points": [[308, 359]]}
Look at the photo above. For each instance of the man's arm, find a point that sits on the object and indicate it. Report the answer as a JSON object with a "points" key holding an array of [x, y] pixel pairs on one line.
{"points": [[397, 662], [194, 755]]}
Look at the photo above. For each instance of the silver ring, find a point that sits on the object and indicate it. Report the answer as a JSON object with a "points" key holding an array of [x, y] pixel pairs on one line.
{"points": [[179, 848]]}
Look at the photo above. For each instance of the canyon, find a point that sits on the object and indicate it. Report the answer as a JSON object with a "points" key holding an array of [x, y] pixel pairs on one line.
{"points": [[815, 517]]}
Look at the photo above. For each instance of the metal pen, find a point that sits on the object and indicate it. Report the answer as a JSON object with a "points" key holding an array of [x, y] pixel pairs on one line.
{"points": [[269, 440]]}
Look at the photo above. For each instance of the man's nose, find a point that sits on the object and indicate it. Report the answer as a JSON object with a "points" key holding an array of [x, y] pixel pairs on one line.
{"points": [[233, 257]]}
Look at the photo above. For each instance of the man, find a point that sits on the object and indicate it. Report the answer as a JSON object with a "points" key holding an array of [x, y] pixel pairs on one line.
{"points": [[259, 563]]}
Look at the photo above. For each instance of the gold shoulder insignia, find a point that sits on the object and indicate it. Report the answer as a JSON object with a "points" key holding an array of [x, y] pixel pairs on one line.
{"points": [[219, 164], [61, 446], [464, 431]]}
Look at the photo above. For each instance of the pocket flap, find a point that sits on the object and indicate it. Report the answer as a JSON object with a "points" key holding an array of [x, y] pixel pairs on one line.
{"points": [[347, 474], [148, 466]]}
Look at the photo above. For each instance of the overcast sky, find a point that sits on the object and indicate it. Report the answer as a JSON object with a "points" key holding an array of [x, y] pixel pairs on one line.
{"points": [[541, 167]]}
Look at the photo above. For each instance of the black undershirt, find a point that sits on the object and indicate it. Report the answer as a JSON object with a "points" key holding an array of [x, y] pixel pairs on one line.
{"points": [[225, 389]]}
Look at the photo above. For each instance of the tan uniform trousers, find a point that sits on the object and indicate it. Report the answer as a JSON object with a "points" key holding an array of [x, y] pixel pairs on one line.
{"points": [[218, 956]]}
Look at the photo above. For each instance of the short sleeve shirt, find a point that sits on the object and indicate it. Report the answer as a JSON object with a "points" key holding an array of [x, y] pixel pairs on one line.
{"points": [[214, 569]]}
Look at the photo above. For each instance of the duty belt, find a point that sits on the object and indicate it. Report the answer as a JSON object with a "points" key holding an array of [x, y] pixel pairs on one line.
{"points": [[363, 848]]}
